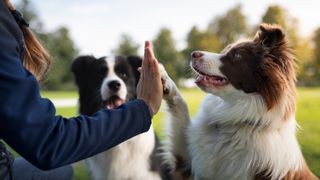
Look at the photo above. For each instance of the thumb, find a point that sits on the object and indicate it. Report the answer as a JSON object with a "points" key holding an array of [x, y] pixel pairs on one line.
{"points": [[139, 69]]}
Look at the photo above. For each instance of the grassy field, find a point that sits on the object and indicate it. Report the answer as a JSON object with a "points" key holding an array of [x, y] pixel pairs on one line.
{"points": [[308, 116]]}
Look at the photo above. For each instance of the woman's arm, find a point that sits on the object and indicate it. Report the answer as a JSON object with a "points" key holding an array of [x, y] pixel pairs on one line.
{"points": [[28, 122]]}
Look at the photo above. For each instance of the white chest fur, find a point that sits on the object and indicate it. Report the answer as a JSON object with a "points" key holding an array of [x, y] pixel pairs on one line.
{"points": [[129, 160], [238, 151]]}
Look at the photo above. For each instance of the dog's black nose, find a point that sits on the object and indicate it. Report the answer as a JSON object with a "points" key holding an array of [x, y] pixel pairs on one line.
{"points": [[196, 54], [114, 85]]}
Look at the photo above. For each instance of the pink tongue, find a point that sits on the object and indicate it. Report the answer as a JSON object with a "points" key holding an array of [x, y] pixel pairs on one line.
{"points": [[115, 104]]}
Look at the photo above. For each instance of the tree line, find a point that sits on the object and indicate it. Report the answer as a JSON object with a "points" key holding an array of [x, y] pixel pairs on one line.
{"points": [[220, 31]]}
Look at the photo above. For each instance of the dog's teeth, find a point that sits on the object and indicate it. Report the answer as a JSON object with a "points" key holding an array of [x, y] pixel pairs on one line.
{"points": [[199, 78]]}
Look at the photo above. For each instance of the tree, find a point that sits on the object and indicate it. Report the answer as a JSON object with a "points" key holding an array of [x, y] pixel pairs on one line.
{"points": [[230, 26], [63, 51], [60, 46], [316, 40], [127, 46], [275, 14], [166, 53], [201, 40], [30, 15], [306, 70]]}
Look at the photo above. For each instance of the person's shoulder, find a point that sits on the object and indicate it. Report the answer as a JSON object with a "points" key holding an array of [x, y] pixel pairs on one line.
{"points": [[8, 25]]}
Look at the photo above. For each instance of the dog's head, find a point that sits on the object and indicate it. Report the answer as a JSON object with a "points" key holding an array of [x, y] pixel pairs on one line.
{"points": [[263, 65], [105, 82]]}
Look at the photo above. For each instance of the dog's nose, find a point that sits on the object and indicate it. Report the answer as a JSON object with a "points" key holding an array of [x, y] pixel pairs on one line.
{"points": [[196, 54], [114, 85]]}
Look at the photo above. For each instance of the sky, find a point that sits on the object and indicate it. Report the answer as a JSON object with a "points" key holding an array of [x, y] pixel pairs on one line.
{"points": [[96, 25]]}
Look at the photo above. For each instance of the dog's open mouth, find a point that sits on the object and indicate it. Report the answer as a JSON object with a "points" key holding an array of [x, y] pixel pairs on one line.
{"points": [[206, 79], [113, 102]]}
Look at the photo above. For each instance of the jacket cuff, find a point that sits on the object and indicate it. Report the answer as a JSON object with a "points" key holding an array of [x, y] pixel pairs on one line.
{"points": [[142, 107]]}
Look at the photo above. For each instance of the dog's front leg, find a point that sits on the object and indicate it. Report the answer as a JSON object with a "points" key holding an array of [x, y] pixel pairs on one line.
{"points": [[177, 121]]}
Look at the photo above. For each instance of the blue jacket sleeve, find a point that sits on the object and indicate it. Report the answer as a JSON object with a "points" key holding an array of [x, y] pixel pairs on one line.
{"points": [[28, 122]]}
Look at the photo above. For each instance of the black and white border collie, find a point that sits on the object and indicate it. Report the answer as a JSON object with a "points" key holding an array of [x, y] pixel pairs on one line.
{"points": [[246, 127], [109, 82]]}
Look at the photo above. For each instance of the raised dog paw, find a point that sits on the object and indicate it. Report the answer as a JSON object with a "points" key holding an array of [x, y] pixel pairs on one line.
{"points": [[169, 87]]}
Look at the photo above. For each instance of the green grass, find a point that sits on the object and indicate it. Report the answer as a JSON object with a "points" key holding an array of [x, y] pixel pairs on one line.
{"points": [[67, 111], [308, 116], [59, 94], [193, 96]]}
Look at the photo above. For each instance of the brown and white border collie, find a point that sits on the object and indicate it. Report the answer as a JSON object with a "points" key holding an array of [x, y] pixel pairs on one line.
{"points": [[108, 82], [246, 127]]}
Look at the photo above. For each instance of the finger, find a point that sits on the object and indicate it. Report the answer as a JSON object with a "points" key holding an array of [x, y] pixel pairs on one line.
{"points": [[146, 67], [145, 53], [150, 62], [146, 59], [149, 53], [141, 73], [149, 49], [156, 70], [147, 44], [151, 58]]}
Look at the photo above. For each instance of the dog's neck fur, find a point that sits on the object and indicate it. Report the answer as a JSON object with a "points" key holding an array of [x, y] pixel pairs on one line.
{"points": [[267, 131]]}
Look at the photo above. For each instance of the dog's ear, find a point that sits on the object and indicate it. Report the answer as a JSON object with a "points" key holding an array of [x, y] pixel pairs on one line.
{"points": [[135, 62], [80, 63], [270, 36], [85, 69]]}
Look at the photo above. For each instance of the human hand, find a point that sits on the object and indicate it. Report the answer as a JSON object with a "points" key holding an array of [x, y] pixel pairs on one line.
{"points": [[150, 88]]}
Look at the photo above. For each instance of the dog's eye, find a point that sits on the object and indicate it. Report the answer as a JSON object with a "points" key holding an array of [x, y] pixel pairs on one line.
{"points": [[123, 75], [237, 56]]}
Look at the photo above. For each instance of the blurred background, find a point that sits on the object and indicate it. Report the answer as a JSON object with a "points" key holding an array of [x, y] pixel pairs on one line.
{"points": [[101, 28], [176, 28]]}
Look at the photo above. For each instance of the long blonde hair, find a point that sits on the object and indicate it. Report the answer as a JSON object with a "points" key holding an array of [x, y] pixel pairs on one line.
{"points": [[36, 58]]}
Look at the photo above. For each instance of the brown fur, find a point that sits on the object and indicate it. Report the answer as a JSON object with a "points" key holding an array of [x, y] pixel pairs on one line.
{"points": [[182, 170], [303, 174], [280, 84], [265, 66], [279, 65]]}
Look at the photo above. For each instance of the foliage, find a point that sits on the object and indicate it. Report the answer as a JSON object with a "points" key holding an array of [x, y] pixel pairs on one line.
{"points": [[230, 26], [63, 51], [30, 15], [304, 55], [222, 30], [127, 46], [167, 54], [316, 41], [60, 46], [202, 40], [275, 15], [302, 47]]}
